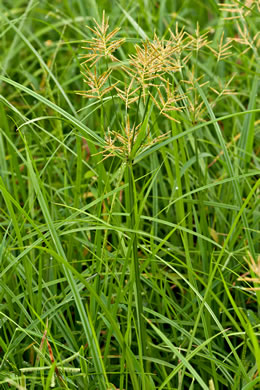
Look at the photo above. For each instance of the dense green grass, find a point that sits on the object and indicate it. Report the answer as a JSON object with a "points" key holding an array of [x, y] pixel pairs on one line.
{"points": [[124, 263]]}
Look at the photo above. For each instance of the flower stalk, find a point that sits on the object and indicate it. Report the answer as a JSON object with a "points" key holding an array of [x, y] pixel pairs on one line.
{"points": [[135, 277]]}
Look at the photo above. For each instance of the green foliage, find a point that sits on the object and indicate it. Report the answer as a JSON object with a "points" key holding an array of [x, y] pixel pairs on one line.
{"points": [[129, 155]]}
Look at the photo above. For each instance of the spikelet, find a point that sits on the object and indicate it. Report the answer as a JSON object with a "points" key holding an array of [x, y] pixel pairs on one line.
{"points": [[198, 41], [238, 10], [167, 104], [121, 143], [129, 93], [102, 44], [96, 84], [224, 89], [151, 61], [255, 269], [223, 51]]}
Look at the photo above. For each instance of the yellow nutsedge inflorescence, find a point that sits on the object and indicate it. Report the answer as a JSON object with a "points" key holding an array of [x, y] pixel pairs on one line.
{"points": [[255, 268], [193, 102], [151, 61], [245, 39], [181, 41], [121, 143], [102, 44], [235, 10], [178, 39], [193, 80], [224, 90], [168, 104], [199, 40], [238, 10], [129, 94], [96, 83], [223, 50], [149, 77]]}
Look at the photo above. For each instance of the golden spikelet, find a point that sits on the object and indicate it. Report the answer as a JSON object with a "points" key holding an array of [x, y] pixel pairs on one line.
{"points": [[102, 44], [151, 61], [255, 269], [238, 10], [129, 94], [245, 38], [223, 51], [224, 89], [169, 103], [121, 143], [199, 40], [96, 83]]}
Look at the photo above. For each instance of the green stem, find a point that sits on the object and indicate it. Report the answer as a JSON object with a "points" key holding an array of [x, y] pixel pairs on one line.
{"points": [[135, 269]]}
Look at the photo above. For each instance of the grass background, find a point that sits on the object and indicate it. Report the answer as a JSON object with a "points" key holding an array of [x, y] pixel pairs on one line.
{"points": [[69, 223]]}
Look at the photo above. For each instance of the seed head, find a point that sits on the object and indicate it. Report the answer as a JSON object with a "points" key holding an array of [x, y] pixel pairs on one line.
{"points": [[223, 50], [255, 269], [129, 94], [169, 103], [102, 44], [96, 83], [151, 61]]}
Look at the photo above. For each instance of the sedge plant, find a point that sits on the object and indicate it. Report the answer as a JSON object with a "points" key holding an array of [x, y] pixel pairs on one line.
{"points": [[129, 226]]}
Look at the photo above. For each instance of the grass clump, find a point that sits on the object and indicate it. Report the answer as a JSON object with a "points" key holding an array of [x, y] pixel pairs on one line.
{"points": [[129, 228]]}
